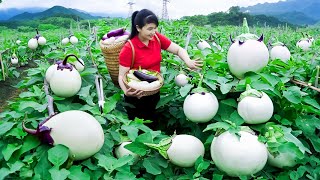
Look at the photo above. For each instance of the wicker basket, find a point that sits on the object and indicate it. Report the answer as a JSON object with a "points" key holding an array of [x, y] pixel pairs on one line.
{"points": [[111, 57], [146, 92]]}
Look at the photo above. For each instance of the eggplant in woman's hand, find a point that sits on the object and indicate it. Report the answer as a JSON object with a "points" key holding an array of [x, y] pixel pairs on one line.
{"points": [[144, 77]]}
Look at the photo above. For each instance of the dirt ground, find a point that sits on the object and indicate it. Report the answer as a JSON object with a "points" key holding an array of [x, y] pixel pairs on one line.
{"points": [[7, 91]]}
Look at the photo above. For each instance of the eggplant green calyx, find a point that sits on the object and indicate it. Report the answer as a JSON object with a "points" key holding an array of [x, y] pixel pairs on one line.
{"points": [[247, 36], [199, 90], [162, 147], [278, 44], [247, 129], [250, 92]]}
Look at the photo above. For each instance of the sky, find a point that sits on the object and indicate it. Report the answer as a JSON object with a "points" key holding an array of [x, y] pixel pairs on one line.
{"points": [[176, 8]]}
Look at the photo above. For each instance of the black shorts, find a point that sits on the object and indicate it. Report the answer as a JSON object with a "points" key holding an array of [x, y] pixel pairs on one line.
{"points": [[144, 108]]}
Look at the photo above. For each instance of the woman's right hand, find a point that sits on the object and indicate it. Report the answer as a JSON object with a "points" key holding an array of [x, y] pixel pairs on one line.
{"points": [[134, 93]]}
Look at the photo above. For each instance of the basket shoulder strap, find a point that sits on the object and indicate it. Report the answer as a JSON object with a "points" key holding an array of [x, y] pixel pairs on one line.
{"points": [[158, 39], [133, 54]]}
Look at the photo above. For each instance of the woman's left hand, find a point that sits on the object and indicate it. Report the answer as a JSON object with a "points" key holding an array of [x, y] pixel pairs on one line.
{"points": [[194, 64]]}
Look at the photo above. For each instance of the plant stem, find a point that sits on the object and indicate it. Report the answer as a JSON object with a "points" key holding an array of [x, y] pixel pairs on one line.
{"points": [[317, 77], [189, 35], [50, 99], [305, 84], [200, 81], [2, 67]]}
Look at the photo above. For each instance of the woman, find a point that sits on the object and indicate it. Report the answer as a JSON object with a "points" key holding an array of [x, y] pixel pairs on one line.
{"points": [[147, 43]]}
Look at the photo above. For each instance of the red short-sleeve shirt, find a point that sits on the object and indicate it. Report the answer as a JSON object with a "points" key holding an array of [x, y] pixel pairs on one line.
{"points": [[148, 57]]}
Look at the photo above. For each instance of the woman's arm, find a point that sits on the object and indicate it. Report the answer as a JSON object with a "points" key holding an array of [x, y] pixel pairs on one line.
{"points": [[127, 91], [182, 53]]}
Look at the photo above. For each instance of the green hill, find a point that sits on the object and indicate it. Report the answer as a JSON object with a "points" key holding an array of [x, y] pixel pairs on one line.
{"points": [[235, 17], [56, 11], [294, 11]]}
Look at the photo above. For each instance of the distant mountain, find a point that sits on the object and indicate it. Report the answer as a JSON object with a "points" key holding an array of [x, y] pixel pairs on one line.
{"points": [[6, 14], [54, 11], [294, 11], [295, 17]]}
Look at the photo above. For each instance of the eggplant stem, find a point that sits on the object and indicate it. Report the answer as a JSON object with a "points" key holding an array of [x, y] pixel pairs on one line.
{"points": [[317, 77], [44, 121], [66, 59], [30, 131], [231, 39]]}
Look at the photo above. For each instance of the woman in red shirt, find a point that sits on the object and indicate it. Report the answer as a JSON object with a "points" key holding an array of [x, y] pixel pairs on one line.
{"points": [[147, 50]]}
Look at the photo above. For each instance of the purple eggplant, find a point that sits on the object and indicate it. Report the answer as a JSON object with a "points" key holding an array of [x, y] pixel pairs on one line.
{"points": [[145, 77], [116, 32]]}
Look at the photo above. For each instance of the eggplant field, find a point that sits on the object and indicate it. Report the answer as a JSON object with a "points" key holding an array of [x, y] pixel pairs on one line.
{"points": [[251, 112]]}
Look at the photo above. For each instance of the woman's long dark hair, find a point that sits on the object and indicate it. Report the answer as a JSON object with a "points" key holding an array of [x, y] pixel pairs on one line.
{"points": [[142, 18]]}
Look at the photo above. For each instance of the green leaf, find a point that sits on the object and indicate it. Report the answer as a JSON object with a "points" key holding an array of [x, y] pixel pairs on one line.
{"points": [[236, 118], [4, 172], [42, 167], [5, 127], [17, 132], [217, 177], [106, 161], [131, 131], [57, 174], [230, 102], [62, 106], [201, 164], [290, 148], [293, 95], [88, 71], [77, 174], [85, 91], [225, 88], [30, 142], [123, 161], [151, 167], [311, 102], [271, 79], [115, 135], [225, 111], [217, 125], [111, 103], [164, 100], [9, 150], [25, 173], [185, 90], [27, 94], [58, 155], [160, 161], [308, 125], [211, 84], [259, 85], [32, 104], [291, 138], [125, 175], [16, 166], [145, 138], [138, 148], [87, 163]]}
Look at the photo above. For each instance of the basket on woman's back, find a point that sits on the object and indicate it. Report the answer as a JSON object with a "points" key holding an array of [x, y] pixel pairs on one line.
{"points": [[111, 57]]}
